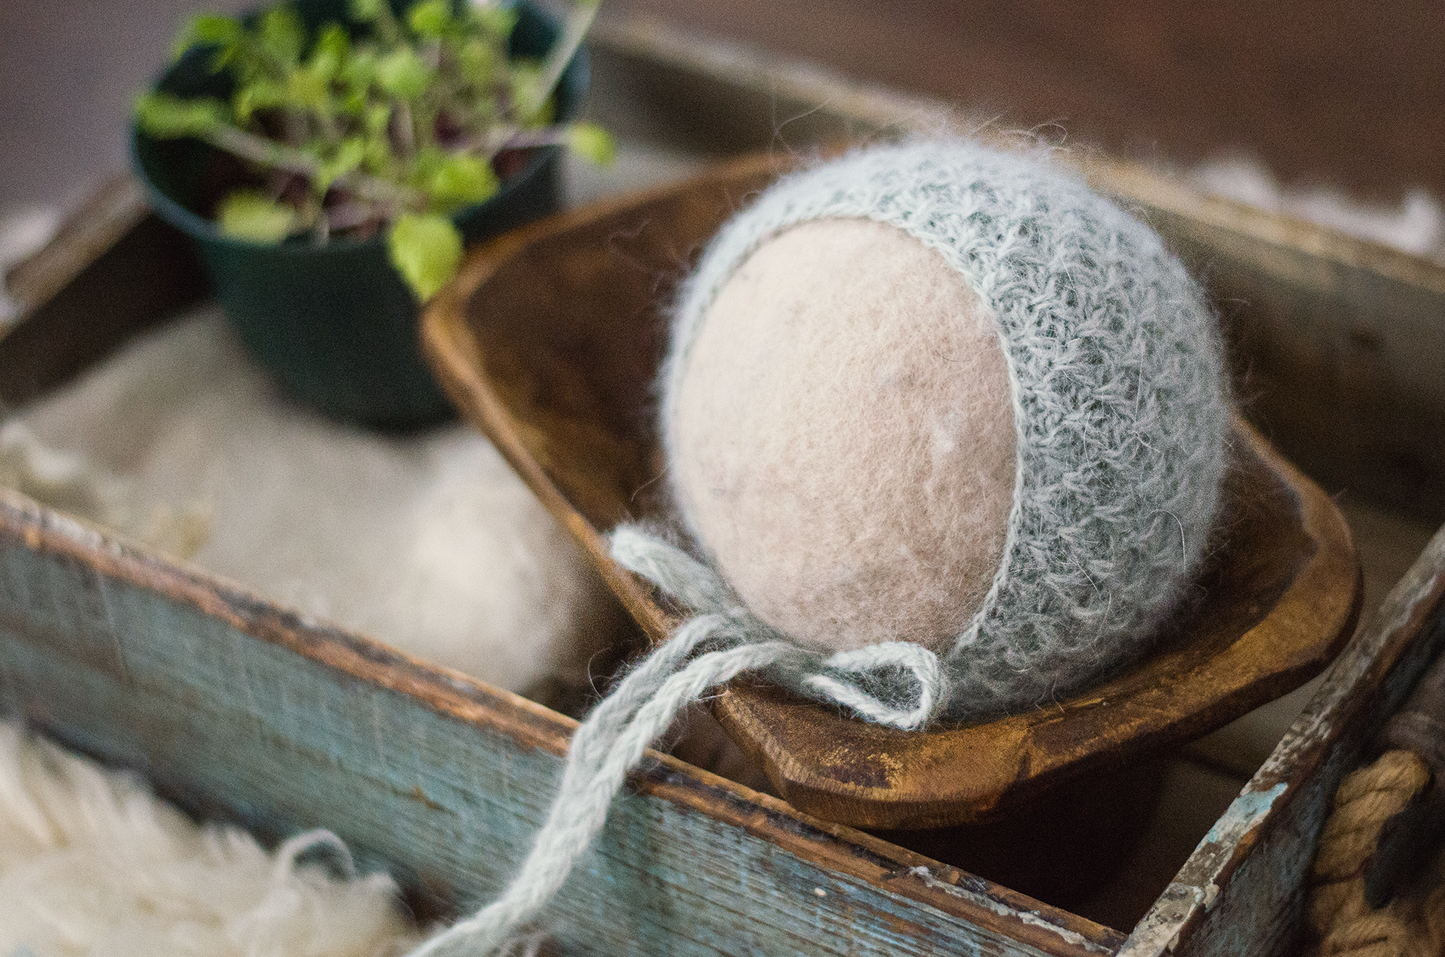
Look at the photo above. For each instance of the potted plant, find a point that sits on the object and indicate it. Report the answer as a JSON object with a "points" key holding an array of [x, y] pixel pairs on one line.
{"points": [[330, 159]]}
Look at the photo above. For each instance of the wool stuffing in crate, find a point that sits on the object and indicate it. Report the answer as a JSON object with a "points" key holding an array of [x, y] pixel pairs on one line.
{"points": [[427, 540], [91, 863]]}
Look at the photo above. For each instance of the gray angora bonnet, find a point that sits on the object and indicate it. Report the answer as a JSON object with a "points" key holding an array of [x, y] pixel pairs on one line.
{"points": [[1117, 384]]}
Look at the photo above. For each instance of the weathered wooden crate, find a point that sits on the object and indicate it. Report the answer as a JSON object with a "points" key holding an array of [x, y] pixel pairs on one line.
{"points": [[236, 707]]}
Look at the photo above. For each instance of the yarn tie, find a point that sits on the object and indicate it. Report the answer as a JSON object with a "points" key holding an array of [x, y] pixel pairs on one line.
{"points": [[917, 660], [719, 642], [845, 677]]}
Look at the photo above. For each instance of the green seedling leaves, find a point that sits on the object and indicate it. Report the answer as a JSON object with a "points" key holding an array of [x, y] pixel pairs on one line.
{"points": [[461, 180], [210, 29], [347, 157], [376, 118], [282, 35], [494, 18], [246, 214], [403, 74], [431, 18], [358, 71], [426, 250], [329, 56], [259, 95], [524, 87], [592, 143], [309, 89], [478, 60], [364, 11], [165, 116], [398, 122]]}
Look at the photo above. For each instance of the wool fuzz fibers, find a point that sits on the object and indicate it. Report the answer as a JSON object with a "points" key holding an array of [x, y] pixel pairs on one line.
{"points": [[92, 864], [948, 430]]}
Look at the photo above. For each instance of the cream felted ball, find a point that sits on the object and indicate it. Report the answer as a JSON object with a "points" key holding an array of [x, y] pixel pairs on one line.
{"points": [[842, 437], [946, 395]]}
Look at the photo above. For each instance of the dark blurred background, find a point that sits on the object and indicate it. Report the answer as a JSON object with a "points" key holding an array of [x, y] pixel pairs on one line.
{"points": [[1343, 92]]}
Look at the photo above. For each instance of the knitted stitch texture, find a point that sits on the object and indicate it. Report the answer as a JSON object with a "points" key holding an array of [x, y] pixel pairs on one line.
{"points": [[1117, 383]]}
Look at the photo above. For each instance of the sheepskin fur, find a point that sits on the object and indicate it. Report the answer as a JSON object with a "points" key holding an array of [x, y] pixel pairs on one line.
{"points": [[94, 865], [1116, 391], [429, 542]]}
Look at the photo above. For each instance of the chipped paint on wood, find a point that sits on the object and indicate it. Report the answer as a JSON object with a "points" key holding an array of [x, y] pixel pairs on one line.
{"points": [[1160, 931], [1031, 917], [1246, 812]]}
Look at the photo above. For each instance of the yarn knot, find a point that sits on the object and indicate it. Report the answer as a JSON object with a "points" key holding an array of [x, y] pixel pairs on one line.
{"points": [[871, 681]]}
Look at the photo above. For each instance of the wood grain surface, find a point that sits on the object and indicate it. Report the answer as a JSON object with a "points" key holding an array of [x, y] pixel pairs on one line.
{"points": [[1241, 890], [90, 288]]}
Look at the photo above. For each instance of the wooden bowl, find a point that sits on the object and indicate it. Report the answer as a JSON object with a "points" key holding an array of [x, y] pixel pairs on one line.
{"points": [[550, 339]]}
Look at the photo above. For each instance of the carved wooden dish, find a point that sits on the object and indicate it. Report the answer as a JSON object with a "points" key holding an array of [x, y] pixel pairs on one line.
{"points": [[549, 341]]}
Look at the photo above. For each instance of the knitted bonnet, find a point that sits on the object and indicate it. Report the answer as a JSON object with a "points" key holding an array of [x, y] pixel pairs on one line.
{"points": [[1116, 384], [1114, 413]]}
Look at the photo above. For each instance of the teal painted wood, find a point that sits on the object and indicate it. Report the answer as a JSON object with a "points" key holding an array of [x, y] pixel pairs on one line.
{"points": [[1242, 891], [233, 706]]}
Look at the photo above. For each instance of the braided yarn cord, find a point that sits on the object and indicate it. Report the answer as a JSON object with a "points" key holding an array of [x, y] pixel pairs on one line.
{"points": [[609, 744], [1341, 921]]}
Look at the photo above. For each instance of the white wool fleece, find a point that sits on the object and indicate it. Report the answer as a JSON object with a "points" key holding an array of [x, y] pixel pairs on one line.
{"points": [[94, 865], [429, 542]]}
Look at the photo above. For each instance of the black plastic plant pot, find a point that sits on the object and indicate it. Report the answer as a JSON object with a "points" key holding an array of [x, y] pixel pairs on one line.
{"points": [[334, 321]]}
